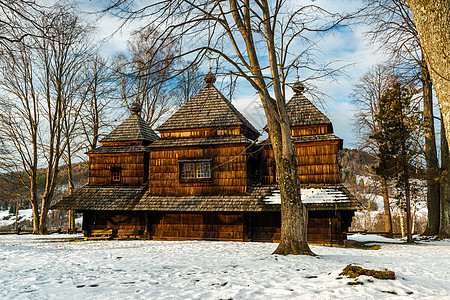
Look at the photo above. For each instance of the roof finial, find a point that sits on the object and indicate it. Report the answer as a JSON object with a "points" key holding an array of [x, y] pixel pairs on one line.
{"points": [[298, 87], [135, 108], [210, 78]]}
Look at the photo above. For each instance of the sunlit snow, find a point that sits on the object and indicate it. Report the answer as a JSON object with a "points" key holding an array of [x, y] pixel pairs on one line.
{"points": [[53, 267]]}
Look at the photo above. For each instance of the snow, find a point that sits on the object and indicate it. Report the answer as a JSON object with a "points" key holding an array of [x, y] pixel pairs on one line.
{"points": [[374, 239], [7, 219], [312, 195], [54, 267]]}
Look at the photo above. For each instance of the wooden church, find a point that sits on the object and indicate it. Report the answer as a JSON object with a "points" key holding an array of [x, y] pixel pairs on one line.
{"points": [[205, 177]]}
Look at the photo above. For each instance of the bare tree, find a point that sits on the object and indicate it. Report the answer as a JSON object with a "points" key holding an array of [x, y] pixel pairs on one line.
{"points": [[144, 74], [260, 38], [98, 94], [394, 30], [63, 53], [20, 119], [39, 98], [432, 20], [188, 83], [367, 95], [17, 21]]}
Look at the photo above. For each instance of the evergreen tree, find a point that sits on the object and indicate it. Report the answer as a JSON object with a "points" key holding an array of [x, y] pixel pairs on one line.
{"points": [[400, 123]]}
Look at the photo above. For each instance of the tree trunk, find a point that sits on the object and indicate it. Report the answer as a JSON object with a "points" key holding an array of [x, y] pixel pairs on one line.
{"points": [[52, 173], [409, 238], [444, 228], [293, 212], [413, 218], [433, 186], [432, 20], [387, 208], [34, 202], [71, 225], [402, 218], [17, 216]]}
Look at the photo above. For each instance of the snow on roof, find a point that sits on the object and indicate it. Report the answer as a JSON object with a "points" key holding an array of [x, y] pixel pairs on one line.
{"points": [[313, 195]]}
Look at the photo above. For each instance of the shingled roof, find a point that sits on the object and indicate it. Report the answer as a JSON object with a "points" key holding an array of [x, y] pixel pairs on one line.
{"points": [[132, 129], [200, 141], [302, 112], [261, 198], [209, 108], [119, 149]]}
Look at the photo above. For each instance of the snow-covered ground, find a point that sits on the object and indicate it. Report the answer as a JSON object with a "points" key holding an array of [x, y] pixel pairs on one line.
{"points": [[52, 267], [8, 219]]}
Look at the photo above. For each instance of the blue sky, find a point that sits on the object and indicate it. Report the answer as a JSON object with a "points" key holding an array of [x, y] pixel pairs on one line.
{"points": [[347, 45]]}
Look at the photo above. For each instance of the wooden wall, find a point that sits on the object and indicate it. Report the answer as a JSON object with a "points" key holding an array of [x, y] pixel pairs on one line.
{"points": [[311, 129], [134, 168], [196, 226], [117, 222], [317, 163], [200, 132], [228, 171], [324, 227]]}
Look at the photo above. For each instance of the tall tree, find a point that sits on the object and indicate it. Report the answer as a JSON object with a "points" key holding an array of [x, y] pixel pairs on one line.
{"points": [[432, 20], [97, 93], [20, 118], [188, 83], [39, 100], [260, 37], [367, 96], [17, 21], [393, 29], [144, 74], [63, 53], [398, 148]]}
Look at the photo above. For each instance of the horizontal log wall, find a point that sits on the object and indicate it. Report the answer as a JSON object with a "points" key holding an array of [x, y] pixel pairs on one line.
{"points": [[196, 226], [324, 227], [317, 163], [266, 227], [311, 130], [116, 221], [133, 168], [203, 132], [228, 171]]}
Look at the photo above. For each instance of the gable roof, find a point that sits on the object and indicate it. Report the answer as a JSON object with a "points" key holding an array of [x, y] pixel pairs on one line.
{"points": [[302, 112], [209, 108], [132, 129]]}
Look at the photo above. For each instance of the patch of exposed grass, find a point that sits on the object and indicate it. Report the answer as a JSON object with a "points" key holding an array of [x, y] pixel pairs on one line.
{"points": [[355, 271]]}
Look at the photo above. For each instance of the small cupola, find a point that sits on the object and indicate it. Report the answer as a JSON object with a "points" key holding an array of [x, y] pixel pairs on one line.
{"points": [[210, 78], [298, 87], [136, 108]]}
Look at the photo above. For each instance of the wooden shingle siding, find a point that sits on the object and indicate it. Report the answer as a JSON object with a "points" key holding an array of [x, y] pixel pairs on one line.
{"points": [[317, 163], [203, 132], [311, 130], [132, 129], [196, 226], [132, 168], [228, 171]]}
